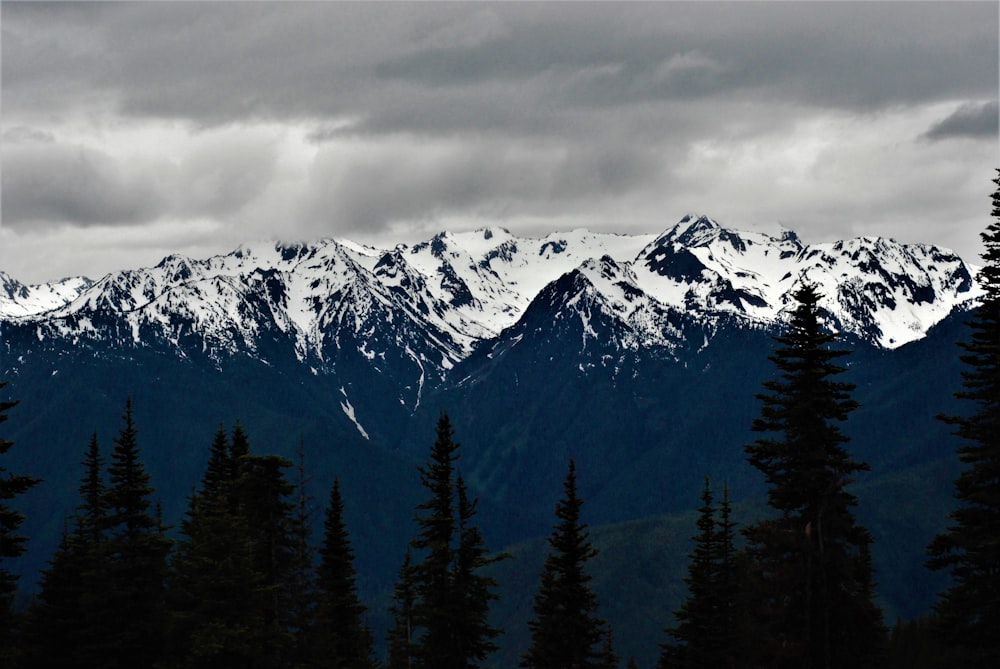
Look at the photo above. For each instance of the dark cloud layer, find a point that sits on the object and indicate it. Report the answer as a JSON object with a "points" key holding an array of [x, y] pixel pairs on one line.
{"points": [[220, 62], [307, 118], [975, 120], [50, 184]]}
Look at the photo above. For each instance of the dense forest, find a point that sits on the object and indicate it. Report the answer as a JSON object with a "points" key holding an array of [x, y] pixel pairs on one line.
{"points": [[242, 582]]}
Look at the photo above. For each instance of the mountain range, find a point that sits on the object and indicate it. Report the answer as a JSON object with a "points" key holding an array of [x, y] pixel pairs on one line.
{"points": [[637, 355]]}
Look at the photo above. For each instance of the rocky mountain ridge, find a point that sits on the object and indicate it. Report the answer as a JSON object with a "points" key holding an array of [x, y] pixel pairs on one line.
{"points": [[446, 295]]}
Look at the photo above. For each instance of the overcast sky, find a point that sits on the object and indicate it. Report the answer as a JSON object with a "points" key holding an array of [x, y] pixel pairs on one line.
{"points": [[133, 130]]}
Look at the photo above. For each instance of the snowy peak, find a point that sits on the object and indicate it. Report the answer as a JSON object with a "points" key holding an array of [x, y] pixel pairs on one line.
{"points": [[429, 305], [692, 230], [18, 300], [878, 289]]}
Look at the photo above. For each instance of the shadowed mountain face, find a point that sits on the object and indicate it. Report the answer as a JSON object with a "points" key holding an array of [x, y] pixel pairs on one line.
{"points": [[637, 356]]}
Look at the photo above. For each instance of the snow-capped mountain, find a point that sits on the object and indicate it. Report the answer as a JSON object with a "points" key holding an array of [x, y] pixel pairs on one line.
{"points": [[17, 299], [878, 289], [637, 356], [429, 305]]}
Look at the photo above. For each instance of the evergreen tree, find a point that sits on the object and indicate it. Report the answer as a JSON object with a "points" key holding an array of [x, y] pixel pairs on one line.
{"points": [[432, 574], [11, 541], [267, 513], [400, 640], [566, 631], [812, 578], [54, 619], [728, 587], [473, 590], [132, 610], [968, 611], [232, 578], [211, 574], [302, 585], [704, 634], [914, 645], [341, 639], [451, 598], [57, 622]]}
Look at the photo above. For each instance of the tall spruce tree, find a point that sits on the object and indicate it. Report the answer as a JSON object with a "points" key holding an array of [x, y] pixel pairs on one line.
{"points": [[132, 610], [566, 632], [402, 649], [473, 590], [811, 573], [232, 577], [729, 586], [451, 597], [267, 511], [433, 545], [53, 623], [968, 612], [12, 543], [340, 637], [57, 623], [211, 574], [703, 636], [302, 586]]}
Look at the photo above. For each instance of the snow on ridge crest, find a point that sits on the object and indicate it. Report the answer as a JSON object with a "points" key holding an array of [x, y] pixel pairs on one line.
{"points": [[463, 287]]}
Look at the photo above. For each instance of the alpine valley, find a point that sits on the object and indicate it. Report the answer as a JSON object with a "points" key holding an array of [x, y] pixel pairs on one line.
{"points": [[638, 356]]}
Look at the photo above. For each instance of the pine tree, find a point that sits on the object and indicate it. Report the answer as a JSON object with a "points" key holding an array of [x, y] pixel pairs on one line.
{"points": [[451, 597], [566, 631], [432, 573], [340, 637], [473, 590], [57, 622], [302, 586], [12, 544], [969, 610], [402, 649], [53, 621], [211, 572], [728, 587], [810, 570], [233, 577], [699, 639], [132, 611], [268, 514]]}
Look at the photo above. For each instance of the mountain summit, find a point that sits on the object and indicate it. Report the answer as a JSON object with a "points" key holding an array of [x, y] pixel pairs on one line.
{"points": [[432, 303], [638, 356]]}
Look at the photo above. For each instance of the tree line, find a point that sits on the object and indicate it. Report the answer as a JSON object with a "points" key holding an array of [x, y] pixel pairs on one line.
{"points": [[242, 586]]}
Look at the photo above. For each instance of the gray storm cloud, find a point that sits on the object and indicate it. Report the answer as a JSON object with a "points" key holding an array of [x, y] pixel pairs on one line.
{"points": [[304, 118], [971, 119], [50, 183]]}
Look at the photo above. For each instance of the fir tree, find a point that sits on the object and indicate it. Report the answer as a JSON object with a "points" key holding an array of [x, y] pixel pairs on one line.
{"points": [[268, 515], [54, 619], [211, 574], [432, 574], [232, 578], [400, 639], [703, 636], [451, 597], [11, 541], [132, 610], [811, 574], [968, 611], [728, 587], [566, 631], [341, 638], [302, 586], [57, 623], [473, 590]]}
